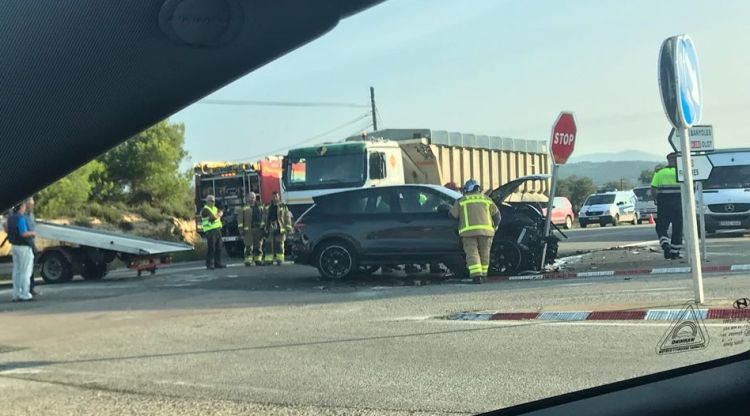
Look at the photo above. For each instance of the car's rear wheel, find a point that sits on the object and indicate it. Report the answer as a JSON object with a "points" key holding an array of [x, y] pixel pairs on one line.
{"points": [[336, 260], [616, 221], [568, 222]]}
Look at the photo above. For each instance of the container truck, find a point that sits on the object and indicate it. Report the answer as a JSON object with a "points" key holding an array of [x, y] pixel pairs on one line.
{"points": [[402, 156]]}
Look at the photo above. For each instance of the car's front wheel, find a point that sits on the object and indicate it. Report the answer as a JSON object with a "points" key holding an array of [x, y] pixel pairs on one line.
{"points": [[336, 260]]}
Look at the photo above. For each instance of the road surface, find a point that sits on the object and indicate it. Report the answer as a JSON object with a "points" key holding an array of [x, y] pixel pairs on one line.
{"points": [[278, 340]]}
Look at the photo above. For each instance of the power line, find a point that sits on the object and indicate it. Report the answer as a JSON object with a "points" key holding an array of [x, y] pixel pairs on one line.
{"points": [[283, 103], [309, 139]]}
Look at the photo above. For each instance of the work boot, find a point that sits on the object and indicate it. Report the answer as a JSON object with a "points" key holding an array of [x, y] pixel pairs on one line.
{"points": [[477, 280], [667, 251], [675, 255], [258, 263], [221, 266], [278, 262]]}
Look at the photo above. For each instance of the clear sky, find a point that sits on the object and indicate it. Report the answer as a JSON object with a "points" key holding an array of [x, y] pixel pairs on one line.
{"points": [[489, 67]]}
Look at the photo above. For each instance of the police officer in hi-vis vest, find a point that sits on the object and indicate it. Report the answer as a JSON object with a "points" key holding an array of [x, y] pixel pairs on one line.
{"points": [[211, 225], [478, 216], [668, 207]]}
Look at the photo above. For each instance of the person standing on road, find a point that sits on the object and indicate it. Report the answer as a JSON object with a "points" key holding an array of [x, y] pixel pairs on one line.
{"points": [[278, 222], [478, 217], [250, 223], [211, 224], [31, 224], [21, 237], [666, 192]]}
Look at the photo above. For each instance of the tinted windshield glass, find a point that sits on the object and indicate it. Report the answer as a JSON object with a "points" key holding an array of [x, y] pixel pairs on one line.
{"points": [[643, 194], [315, 172], [600, 199], [729, 177]]}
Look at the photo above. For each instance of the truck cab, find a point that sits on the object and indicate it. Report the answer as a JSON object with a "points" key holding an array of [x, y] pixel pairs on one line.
{"points": [[317, 170]]}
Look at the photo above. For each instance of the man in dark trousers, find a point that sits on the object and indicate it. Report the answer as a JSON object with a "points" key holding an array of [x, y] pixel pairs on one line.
{"points": [[211, 224], [666, 190]]}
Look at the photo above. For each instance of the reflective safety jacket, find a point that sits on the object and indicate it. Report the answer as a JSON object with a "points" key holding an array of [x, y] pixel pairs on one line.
{"points": [[246, 219], [477, 215], [665, 181], [283, 221], [210, 218]]}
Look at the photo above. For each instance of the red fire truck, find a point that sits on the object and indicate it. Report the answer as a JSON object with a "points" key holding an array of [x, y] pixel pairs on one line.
{"points": [[229, 183]]}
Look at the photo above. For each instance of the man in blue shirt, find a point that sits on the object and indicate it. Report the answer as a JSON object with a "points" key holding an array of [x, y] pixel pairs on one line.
{"points": [[23, 256]]}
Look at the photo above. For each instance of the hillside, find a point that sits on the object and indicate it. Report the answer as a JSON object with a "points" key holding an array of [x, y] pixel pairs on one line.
{"points": [[602, 172], [622, 156]]}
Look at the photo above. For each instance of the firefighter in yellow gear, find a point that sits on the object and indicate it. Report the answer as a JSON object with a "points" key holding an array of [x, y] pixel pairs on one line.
{"points": [[277, 221], [250, 224], [211, 226], [478, 217]]}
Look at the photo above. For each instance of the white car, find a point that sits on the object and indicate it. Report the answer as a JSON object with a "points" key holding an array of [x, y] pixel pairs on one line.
{"points": [[726, 193], [609, 208]]}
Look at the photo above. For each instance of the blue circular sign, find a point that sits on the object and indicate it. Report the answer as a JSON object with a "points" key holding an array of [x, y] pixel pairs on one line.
{"points": [[690, 90]]}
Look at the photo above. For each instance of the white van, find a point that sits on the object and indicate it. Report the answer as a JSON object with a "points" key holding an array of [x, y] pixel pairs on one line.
{"points": [[645, 206], [726, 193], [609, 208]]}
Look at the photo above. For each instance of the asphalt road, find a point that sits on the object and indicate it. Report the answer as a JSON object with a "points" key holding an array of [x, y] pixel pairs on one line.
{"points": [[277, 340]]}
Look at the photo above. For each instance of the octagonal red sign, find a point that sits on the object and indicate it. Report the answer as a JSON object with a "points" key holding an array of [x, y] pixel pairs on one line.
{"points": [[563, 140]]}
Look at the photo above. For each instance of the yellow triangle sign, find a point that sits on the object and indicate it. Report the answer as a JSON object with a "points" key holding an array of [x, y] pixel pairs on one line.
{"points": [[687, 333]]}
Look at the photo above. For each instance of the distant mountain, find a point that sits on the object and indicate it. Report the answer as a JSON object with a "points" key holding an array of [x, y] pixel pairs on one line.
{"points": [[603, 172], [623, 156]]}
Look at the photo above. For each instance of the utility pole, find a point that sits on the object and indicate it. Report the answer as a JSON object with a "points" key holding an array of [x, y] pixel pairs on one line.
{"points": [[372, 105]]}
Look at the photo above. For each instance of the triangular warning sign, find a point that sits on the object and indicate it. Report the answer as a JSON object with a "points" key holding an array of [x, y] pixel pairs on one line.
{"points": [[687, 333]]}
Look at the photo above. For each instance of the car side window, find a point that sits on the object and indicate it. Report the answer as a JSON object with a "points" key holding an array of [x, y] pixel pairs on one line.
{"points": [[421, 201]]}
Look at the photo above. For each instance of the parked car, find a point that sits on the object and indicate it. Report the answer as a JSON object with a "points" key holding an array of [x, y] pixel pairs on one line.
{"points": [[562, 212], [609, 208], [726, 193], [357, 231], [645, 205]]}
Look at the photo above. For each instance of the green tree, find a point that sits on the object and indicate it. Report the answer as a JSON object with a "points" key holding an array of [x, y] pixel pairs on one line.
{"points": [[622, 184], [576, 189], [69, 195], [145, 171], [647, 175]]}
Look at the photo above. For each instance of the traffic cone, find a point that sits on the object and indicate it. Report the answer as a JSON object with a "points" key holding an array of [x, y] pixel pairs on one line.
{"points": [[651, 219]]}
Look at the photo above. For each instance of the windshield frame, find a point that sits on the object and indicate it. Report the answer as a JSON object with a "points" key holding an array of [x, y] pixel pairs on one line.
{"points": [[589, 203], [290, 159]]}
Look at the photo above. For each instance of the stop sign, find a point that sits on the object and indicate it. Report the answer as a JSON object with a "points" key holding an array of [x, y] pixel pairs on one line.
{"points": [[563, 139]]}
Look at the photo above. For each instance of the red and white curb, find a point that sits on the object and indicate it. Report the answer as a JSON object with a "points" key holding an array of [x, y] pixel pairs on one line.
{"points": [[630, 272], [629, 315]]}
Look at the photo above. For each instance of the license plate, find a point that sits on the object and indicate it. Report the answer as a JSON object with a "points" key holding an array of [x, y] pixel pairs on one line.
{"points": [[730, 223], [594, 218]]}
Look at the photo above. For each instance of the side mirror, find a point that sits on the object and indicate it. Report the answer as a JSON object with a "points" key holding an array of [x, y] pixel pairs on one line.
{"points": [[620, 203], [444, 208]]}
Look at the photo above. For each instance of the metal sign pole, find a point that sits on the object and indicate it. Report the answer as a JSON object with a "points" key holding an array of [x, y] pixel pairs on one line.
{"points": [[691, 226], [684, 198], [548, 220], [702, 219]]}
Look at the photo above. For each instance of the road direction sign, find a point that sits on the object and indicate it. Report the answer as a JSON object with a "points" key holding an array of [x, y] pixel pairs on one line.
{"points": [[680, 81], [701, 139], [563, 139], [702, 167]]}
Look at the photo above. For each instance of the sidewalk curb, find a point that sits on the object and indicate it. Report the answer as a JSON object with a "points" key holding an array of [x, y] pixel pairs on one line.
{"points": [[628, 315], [630, 272]]}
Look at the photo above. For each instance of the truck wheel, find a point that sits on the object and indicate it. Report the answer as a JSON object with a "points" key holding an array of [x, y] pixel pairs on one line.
{"points": [[336, 260], [56, 268], [93, 271], [568, 222]]}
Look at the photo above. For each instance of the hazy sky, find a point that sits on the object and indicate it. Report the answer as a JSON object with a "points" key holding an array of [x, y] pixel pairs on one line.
{"points": [[489, 67]]}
